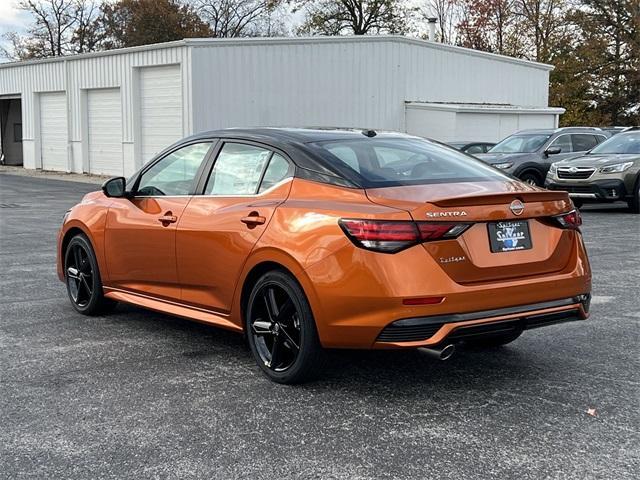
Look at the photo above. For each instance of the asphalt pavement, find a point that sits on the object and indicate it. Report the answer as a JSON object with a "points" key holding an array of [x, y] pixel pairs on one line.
{"points": [[136, 394]]}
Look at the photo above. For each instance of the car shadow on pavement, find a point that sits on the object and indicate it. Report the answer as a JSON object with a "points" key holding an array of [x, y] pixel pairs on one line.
{"points": [[405, 372]]}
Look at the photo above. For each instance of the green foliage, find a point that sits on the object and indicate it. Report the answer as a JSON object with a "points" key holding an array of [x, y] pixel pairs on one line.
{"points": [[355, 17], [129, 23]]}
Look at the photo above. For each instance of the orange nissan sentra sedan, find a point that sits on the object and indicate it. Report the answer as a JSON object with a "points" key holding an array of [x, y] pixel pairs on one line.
{"points": [[304, 239]]}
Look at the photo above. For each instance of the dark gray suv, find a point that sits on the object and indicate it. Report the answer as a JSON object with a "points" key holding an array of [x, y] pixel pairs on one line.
{"points": [[528, 154]]}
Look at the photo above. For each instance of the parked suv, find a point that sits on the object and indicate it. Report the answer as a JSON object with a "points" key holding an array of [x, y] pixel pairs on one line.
{"points": [[608, 173], [528, 154]]}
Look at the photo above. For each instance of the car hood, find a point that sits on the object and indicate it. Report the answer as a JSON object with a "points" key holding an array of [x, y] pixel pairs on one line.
{"points": [[502, 157], [597, 160]]}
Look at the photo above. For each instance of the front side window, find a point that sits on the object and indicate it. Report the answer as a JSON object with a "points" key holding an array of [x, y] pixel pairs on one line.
{"points": [[564, 143], [527, 143], [175, 173], [403, 161], [237, 170]]}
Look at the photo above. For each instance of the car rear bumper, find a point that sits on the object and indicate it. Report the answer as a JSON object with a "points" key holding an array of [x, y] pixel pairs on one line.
{"points": [[597, 190], [353, 306], [442, 329]]}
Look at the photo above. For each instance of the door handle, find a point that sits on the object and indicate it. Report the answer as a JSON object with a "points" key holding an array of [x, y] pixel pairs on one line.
{"points": [[253, 219], [168, 218]]}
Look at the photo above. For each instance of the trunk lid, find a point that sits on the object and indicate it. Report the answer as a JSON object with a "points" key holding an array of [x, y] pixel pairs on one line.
{"points": [[468, 258]]}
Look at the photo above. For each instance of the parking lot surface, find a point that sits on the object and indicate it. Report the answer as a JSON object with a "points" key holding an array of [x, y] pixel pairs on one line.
{"points": [[137, 394]]}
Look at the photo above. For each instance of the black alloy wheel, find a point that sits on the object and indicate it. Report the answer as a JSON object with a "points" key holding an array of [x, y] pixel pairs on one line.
{"points": [[281, 329], [82, 277], [79, 275]]}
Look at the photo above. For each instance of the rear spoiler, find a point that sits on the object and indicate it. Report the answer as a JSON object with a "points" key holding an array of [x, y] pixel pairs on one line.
{"points": [[503, 198]]}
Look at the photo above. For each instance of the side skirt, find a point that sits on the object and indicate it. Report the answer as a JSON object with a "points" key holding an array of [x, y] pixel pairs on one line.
{"points": [[171, 308]]}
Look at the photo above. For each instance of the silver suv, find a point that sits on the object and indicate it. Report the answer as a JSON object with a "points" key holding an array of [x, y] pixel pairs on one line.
{"points": [[528, 154], [608, 173]]}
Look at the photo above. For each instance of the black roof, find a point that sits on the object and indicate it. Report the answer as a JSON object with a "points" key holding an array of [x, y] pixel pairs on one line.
{"points": [[311, 162], [294, 135]]}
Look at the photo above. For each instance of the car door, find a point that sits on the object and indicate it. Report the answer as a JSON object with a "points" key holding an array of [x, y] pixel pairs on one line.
{"points": [[219, 228], [140, 231]]}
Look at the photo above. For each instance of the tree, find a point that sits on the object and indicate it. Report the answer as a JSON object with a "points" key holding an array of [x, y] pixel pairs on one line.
{"points": [[447, 13], [357, 17], [544, 26], [61, 27], [242, 18], [610, 48], [490, 25], [128, 23]]}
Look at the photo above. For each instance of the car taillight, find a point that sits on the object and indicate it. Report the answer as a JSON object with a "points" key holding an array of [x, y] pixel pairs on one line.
{"points": [[393, 236], [571, 220]]}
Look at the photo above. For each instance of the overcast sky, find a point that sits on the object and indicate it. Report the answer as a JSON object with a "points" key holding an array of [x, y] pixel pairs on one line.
{"points": [[11, 20]]}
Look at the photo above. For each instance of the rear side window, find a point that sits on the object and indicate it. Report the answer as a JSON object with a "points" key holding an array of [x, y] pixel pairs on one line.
{"points": [[382, 162], [277, 171], [583, 142], [237, 170], [475, 149]]}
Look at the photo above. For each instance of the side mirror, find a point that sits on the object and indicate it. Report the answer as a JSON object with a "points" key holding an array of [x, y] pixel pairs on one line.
{"points": [[552, 151], [115, 187]]}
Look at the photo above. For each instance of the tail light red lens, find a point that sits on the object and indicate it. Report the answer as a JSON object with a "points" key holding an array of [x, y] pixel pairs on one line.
{"points": [[393, 236], [570, 220]]}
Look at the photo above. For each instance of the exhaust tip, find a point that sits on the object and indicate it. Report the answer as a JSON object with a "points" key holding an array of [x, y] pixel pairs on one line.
{"points": [[444, 353], [447, 352]]}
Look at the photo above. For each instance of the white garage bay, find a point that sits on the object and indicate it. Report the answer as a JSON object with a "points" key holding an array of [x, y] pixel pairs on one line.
{"points": [[111, 112]]}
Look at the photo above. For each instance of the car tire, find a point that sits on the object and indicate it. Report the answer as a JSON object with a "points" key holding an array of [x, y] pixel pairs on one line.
{"points": [[281, 330], [82, 278], [531, 178], [634, 203], [578, 203], [494, 340]]}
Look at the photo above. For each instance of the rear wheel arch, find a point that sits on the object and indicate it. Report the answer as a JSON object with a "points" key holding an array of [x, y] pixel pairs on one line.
{"points": [[253, 276], [258, 264]]}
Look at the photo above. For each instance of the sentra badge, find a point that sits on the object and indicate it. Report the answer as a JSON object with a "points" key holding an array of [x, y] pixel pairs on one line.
{"points": [[454, 213]]}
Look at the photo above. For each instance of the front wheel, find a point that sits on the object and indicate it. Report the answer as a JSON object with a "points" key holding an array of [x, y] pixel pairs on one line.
{"points": [[281, 329], [531, 178], [82, 277]]}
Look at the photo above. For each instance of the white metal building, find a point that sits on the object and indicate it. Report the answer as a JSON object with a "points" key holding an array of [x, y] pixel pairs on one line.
{"points": [[110, 112]]}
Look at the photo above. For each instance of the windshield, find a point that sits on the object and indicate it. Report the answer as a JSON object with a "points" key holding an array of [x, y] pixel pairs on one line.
{"points": [[622, 143], [380, 162], [521, 143]]}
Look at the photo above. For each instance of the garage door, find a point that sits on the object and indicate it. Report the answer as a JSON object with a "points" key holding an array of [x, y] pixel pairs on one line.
{"points": [[160, 108], [53, 131], [104, 128]]}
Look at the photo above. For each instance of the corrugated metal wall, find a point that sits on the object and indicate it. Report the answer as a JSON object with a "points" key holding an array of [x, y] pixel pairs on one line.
{"points": [[342, 83], [354, 81], [75, 74], [328, 81]]}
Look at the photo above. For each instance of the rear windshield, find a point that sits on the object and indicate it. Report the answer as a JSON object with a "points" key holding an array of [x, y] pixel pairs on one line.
{"points": [[378, 162], [520, 144], [623, 143]]}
